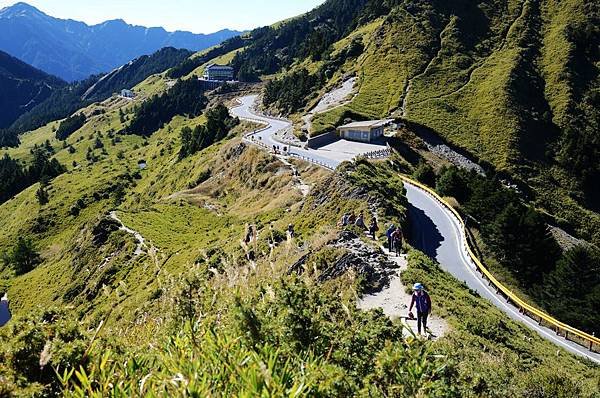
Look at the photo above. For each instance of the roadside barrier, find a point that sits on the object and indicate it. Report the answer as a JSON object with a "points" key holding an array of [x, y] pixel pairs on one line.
{"points": [[311, 160], [568, 332], [380, 154]]}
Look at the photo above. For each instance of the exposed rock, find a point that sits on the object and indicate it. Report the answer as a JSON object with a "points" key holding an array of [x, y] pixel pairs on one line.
{"points": [[366, 261], [369, 262], [235, 151]]}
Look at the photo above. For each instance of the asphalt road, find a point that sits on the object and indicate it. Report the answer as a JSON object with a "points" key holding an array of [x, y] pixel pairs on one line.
{"points": [[327, 159], [436, 231]]}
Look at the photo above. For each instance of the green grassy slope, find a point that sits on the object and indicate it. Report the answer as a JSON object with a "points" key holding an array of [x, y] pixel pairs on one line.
{"points": [[499, 79]]}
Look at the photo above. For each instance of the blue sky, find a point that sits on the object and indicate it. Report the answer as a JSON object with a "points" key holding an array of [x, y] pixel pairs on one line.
{"points": [[198, 16]]}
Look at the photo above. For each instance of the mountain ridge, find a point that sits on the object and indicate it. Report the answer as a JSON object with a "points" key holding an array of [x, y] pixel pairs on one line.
{"points": [[23, 87], [74, 50]]}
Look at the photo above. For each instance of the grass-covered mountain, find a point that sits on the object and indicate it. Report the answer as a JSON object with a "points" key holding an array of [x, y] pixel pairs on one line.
{"points": [[195, 308], [135, 72], [513, 83], [73, 50], [22, 88], [62, 102]]}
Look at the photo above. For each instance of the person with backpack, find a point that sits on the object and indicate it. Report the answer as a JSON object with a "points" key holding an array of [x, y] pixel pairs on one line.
{"points": [[397, 240], [388, 234], [421, 300]]}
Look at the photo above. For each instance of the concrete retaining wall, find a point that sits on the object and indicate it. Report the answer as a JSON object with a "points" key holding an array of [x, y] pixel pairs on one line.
{"points": [[323, 139]]}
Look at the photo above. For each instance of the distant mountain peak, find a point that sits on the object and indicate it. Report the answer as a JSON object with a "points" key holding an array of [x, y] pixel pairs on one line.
{"points": [[75, 50], [20, 9]]}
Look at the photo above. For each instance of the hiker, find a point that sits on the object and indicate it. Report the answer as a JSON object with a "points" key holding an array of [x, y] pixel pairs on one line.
{"points": [[249, 234], [344, 220], [4, 310], [397, 240], [388, 234], [421, 300], [360, 221], [290, 231], [351, 218], [373, 228]]}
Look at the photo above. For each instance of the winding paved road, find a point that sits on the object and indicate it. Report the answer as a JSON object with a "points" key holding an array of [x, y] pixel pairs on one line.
{"points": [[328, 159], [436, 231]]}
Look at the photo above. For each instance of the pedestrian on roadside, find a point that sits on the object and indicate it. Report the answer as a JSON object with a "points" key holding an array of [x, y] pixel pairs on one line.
{"points": [[388, 234], [421, 300], [397, 240]]}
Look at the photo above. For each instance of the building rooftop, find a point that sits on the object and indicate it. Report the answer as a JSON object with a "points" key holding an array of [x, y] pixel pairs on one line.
{"points": [[366, 124], [210, 66]]}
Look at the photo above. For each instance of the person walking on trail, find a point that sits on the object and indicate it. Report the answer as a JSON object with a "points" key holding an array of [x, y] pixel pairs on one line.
{"points": [[388, 234], [290, 231], [4, 310], [397, 240], [360, 221], [373, 228], [422, 302]]}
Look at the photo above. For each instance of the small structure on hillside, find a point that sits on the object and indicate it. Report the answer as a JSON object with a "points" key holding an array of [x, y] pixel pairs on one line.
{"points": [[125, 93], [221, 73], [366, 131]]}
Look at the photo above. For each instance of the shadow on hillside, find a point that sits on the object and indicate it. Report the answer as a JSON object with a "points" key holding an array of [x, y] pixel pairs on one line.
{"points": [[423, 233]]}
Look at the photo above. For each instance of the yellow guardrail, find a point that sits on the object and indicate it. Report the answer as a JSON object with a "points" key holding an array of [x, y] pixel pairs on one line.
{"points": [[523, 306]]}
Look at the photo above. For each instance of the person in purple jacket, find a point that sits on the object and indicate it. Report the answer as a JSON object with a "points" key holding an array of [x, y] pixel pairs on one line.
{"points": [[422, 301]]}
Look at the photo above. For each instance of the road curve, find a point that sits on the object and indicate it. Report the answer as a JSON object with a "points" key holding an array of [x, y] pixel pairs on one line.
{"points": [[435, 231], [265, 136]]}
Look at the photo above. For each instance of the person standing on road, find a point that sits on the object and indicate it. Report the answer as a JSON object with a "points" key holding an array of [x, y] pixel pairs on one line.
{"points": [[422, 301]]}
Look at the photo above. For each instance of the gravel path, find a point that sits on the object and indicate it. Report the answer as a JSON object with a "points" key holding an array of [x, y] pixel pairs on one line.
{"points": [[141, 242], [394, 302]]}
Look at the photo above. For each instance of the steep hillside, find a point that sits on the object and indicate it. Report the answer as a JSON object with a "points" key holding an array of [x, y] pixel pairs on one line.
{"points": [[153, 254], [23, 87], [134, 72], [66, 100], [194, 278], [512, 83], [74, 50]]}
